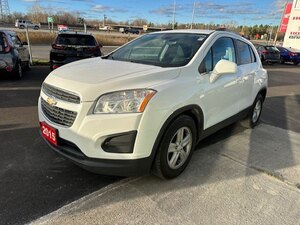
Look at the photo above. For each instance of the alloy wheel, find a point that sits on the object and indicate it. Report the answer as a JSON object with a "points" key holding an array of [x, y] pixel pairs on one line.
{"points": [[179, 148]]}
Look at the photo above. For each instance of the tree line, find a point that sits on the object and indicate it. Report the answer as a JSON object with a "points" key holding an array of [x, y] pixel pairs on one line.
{"points": [[38, 14]]}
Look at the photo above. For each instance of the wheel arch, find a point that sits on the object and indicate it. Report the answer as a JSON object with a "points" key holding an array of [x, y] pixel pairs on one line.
{"points": [[194, 111], [263, 92]]}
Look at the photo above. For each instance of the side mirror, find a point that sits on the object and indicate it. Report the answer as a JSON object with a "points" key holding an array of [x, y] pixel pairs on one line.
{"points": [[223, 67], [24, 43]]}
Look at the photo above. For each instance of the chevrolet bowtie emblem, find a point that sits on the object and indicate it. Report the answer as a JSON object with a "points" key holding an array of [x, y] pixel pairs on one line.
{"points": [[51, 101]]}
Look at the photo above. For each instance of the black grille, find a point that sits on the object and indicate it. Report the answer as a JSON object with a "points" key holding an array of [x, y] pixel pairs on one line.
{"points": [[60, 94], [58, 115]]}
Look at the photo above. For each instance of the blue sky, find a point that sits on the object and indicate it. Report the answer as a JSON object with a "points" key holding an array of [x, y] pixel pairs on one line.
{"points": [[161, 11]]}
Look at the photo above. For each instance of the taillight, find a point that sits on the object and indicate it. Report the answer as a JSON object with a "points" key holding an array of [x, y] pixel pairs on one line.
{"points": [[58, 47], [265, 52], [55, 67], [94, 49], [292, 54]]}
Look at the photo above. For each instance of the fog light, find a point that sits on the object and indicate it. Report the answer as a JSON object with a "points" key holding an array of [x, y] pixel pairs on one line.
{"points": [[120, 143]]}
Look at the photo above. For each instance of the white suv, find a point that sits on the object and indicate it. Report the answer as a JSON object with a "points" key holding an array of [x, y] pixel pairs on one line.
{"points": [[145, 106], [22, 24]]}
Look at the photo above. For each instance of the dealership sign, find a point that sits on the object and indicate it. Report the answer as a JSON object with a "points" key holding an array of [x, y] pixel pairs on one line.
{"points": [[285, 18], [292, 35]]}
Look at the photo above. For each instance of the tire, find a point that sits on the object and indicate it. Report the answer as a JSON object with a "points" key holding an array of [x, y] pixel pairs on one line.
{"points": [[36, 28], [18, 72], [262, 59], [126, 32], [296, 63], [22, 26], [254, 115], [172, 154]]}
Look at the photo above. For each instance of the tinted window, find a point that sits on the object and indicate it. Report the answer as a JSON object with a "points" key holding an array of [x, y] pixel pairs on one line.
{"points": [[70, 39], [244, 55], [223, 48]]}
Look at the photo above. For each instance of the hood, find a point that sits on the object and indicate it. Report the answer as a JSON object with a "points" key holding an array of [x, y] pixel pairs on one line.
{"points": [[92, 77], [97, 70]]}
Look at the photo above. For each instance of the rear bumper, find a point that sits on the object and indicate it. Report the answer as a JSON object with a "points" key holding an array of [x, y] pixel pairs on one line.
{"points": [[125, 168], [273, 60], [293, 60]]}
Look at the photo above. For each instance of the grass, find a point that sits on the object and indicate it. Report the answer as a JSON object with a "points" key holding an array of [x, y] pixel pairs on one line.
{"points": [[47, 38], [40, 62]]}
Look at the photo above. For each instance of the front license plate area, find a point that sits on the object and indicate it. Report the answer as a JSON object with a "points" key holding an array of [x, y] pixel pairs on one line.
{"points": [[49, 133]]}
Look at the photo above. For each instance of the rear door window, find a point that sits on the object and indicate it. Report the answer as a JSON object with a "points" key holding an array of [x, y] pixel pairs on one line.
{"points": [[79, 40], [244, 54]]}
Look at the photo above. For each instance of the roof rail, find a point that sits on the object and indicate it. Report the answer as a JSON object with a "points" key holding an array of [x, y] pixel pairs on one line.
{"points": [[231, 31], [225, 29]]}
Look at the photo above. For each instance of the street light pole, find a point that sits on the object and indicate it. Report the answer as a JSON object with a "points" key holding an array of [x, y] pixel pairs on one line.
{"points": [[174, 12], [193, 15]]}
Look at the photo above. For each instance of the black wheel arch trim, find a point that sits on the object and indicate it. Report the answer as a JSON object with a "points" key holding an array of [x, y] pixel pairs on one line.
{"points": [[193, 111], [263, 92]]}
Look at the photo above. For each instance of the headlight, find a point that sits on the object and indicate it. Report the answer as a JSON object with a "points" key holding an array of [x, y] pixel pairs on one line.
{"points": [[129, 101]]}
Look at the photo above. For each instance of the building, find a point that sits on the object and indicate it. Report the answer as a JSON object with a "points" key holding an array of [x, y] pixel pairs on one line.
{"points": [[292, 35]]}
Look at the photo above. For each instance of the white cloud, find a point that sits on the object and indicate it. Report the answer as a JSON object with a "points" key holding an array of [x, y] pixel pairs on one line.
{"points": [[102, 9]]}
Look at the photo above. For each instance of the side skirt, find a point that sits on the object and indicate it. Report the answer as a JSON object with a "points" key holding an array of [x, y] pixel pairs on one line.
{"points": [[239, 116]]}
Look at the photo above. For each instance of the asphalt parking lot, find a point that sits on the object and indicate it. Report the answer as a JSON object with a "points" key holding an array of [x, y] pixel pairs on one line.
{"points": [[34, 181]]}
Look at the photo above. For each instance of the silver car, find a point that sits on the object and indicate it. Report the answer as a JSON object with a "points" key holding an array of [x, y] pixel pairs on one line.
{"points": [[14, 55], [26, 23]]}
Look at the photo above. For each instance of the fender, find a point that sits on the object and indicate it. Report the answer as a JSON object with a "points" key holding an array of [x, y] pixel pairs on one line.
{"points": [[193, 111]]}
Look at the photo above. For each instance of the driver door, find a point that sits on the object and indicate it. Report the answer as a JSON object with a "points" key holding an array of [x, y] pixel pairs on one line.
{"points": [[220, 99]]}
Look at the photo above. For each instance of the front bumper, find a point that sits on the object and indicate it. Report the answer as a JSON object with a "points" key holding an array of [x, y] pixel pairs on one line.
{"points": [[124, 168]]}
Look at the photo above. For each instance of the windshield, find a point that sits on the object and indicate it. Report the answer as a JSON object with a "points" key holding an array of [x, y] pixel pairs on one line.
{"points": [[161, 49]]}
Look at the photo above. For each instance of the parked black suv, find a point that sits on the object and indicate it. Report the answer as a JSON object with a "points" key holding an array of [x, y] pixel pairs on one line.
{"points": [[268, 53], [72, 46], [14, 55]]}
